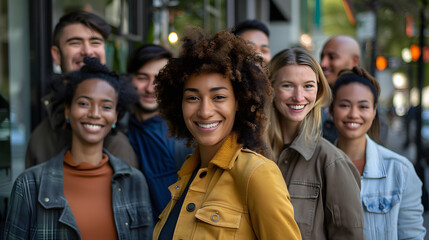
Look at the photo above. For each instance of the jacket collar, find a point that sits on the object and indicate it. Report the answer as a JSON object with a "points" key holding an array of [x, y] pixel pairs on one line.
{"points": [[51, 193], [224, 157], [55, 111], [374, 167], [303, 147]]}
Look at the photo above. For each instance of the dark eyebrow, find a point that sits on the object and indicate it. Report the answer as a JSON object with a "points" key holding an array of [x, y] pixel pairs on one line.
{"points": [[74, 39], [89, 98], [81, 39], [348, 100], [141, 74], [217, 89], [211, 89], [96, 38]]}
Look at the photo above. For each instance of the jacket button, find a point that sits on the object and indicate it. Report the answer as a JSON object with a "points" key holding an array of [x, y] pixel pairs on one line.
{"points": [[190, 207], [203, 174], [215, 217], [46, 199]]}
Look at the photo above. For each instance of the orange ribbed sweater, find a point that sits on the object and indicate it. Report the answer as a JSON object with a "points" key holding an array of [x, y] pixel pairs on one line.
{"points": [[88, 191]]}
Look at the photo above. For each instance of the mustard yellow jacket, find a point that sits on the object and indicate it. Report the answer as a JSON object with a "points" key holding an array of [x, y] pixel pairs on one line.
{"points": [[241, 195]]}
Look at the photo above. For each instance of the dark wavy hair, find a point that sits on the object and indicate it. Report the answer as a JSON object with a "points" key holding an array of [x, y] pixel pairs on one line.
{"points": [[65, 87], [231, 56], [250, 24], [145, 54], [360, 75], [90, 20]]}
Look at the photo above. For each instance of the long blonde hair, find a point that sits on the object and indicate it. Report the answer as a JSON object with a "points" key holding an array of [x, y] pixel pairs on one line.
{"points": [[311, 125]]}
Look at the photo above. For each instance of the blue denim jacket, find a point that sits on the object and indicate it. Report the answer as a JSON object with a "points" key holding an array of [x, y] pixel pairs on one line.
{"points": [[38, 208], [391, 195]]}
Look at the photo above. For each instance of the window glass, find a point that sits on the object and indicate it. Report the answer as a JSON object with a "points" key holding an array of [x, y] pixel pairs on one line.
{"points": [[14, 93]]}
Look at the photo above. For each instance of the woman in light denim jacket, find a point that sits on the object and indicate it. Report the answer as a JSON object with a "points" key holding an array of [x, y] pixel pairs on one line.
{"points": [[390, 188]]}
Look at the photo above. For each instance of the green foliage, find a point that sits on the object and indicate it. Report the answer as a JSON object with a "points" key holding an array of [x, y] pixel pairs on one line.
{"points": [[335, 21]]}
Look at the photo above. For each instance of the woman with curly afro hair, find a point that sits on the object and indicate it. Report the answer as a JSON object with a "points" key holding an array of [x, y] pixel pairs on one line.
{"points": [[84, 192], [214, 96]]}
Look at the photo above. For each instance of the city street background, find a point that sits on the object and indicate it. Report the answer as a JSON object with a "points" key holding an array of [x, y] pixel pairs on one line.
{"points": [[396, 142]]}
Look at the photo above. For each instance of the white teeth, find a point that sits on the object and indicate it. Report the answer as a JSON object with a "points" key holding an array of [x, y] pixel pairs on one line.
{"points": [[210, 125], [353, 124], [93, 127], [297, 107]]}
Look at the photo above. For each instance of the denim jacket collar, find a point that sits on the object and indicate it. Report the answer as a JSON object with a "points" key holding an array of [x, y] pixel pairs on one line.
{"points": [[303, 147], [374, 167], [51, 194]]}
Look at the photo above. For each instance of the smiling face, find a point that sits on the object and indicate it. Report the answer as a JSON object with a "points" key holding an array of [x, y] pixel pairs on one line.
{"points": [[339, 53], [92, 112], [209, 108], [143, 81], [76, 42], [353, 111], [295, 92]]}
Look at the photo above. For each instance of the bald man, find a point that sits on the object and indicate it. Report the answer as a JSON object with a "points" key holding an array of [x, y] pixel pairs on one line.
{"points": [[338, 53]]}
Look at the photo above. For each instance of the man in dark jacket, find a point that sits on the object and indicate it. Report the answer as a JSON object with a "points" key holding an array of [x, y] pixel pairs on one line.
{"points": [[77, 34], [159, 156]]}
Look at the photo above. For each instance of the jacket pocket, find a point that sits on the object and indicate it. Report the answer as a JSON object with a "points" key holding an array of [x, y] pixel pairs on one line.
{"points": [[216, 222], [304, 197], [139, 216], [380, 203], [380, 215]]}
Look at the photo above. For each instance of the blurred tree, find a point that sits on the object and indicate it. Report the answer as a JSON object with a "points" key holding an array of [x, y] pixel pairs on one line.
{"points": [[335, 20]]}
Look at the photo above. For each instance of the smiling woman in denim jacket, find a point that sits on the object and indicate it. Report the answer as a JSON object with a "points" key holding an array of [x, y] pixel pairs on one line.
{"points": [[84, 192], [391, 190]]}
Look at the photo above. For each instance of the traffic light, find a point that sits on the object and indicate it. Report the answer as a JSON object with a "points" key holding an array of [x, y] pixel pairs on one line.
{"points": [[415, 52], [381, 63]]}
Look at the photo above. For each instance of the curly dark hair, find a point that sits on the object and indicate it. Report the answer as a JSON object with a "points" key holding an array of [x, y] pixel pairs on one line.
{"points": [[231, 56], [65, 87]]}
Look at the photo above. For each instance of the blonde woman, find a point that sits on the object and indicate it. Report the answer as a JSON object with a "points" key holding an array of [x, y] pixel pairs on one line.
{"points": [[323, 183]]}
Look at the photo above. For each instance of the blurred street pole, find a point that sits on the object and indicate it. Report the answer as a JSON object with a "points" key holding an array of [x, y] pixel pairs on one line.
{"points": [[420, 79], [374, 7]]}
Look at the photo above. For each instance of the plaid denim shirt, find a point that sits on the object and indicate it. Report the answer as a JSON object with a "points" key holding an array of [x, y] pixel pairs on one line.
{"points": [[38, 208]]}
